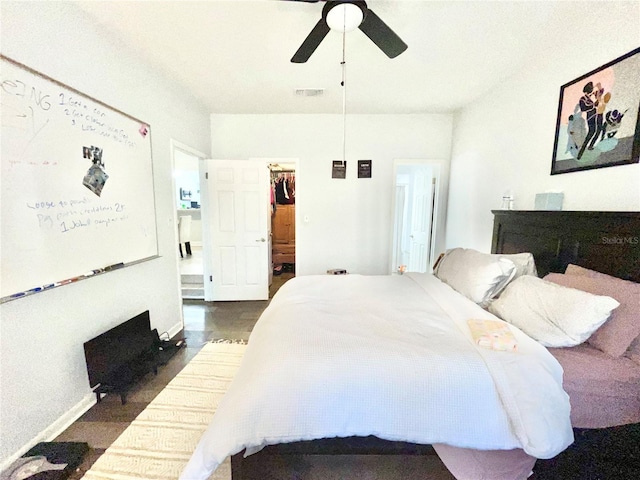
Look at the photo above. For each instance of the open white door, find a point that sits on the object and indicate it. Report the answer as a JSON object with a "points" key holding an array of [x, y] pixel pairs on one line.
{"points": [[420, 226], [238, 199]]}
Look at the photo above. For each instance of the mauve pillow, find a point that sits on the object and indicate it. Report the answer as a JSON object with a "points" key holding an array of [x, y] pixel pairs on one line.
{"points": [[615, 336], [585, 272], [634, 351]]}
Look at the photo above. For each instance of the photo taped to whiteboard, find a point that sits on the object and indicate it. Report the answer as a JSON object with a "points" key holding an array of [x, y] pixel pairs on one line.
{"points": [[96, 176]]}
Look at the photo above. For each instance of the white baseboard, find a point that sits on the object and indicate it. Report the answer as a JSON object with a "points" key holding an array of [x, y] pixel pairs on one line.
{"points": [[173, 331], [53, 430]]}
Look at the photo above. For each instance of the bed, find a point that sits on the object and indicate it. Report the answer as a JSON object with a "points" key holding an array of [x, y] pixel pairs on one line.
{"points": [[388, 364], [602, 380]]}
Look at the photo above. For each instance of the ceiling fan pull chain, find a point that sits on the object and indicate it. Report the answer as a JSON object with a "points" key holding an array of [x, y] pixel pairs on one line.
{"points": [[344, 98]]}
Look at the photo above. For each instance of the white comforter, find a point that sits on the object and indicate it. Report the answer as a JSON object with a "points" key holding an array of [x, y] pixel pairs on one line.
{"points": [[390, 356]]}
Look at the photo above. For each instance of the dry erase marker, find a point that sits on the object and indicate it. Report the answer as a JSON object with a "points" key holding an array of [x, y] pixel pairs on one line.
{"points": [[50, 285], [19, 294], [34, 290]]}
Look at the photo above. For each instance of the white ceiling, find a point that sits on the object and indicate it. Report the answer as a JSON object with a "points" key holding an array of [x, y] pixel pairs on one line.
{"points": [[234, 56]]}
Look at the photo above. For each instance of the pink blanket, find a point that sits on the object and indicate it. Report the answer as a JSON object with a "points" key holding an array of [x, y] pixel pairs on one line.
{"points": [[603, 391]]}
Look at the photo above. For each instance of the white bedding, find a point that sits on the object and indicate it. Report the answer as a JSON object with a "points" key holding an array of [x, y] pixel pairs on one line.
{"points": [[390, 356]]}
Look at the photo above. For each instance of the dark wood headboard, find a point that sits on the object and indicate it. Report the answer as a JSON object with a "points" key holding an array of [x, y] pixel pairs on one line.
{"points": [[608, 242]]}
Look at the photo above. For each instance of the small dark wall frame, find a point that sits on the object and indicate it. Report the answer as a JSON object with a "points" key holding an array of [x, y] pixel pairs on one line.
{"points": [[364, 168], [339, 169], [598, 121]]}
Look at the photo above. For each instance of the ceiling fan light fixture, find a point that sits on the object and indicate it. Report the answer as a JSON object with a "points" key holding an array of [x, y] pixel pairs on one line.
{"points": [[345, 17]]}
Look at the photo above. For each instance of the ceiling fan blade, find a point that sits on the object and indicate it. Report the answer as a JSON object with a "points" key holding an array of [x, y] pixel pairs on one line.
{"points": [[380, 34], [311, 42]]}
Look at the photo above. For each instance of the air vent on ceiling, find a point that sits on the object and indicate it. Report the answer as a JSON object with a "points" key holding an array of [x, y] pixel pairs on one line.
{"points": [[309, 92]]}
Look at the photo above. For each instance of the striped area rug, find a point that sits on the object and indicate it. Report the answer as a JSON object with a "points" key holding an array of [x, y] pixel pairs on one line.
{"points": [[159, 442]]}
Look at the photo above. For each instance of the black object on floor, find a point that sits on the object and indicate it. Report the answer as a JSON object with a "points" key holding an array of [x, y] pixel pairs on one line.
{"points": [[597, 454], [57, 454], [117, 358], [167, 349]]}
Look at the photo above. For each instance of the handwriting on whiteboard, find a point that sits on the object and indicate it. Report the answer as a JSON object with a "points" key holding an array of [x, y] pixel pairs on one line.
{"points": [[32, 107], [65, 216]]}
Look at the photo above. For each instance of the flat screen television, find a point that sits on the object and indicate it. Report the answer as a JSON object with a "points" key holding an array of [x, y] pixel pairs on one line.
{"points": [[117, 349]]}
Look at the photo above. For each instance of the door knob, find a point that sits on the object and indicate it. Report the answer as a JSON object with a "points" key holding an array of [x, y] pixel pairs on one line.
{"points": [[261, 240]]}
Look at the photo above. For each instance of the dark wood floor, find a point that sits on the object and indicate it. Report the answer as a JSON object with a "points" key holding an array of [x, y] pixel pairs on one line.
{"points": [[203, 322]]}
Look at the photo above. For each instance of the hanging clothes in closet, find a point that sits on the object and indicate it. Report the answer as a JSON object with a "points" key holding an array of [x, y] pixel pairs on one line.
{"points": [[284, 184]]}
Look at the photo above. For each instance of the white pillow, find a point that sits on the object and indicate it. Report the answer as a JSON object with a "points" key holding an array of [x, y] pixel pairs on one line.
{"points": [[524, 262], [478, 276], [554, 315]]}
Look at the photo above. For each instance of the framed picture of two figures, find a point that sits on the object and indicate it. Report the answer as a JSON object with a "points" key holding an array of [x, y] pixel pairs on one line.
{"points": [[598, 121]]}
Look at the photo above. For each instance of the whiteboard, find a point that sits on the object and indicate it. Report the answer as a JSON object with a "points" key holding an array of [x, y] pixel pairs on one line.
{"points": [[77, 193]]}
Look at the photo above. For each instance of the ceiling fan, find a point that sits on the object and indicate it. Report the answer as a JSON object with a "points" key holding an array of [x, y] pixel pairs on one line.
{"points": [[346, 15]]}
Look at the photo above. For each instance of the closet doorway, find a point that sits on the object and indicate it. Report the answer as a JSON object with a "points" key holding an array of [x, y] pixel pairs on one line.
{"points": [[283, 219]]}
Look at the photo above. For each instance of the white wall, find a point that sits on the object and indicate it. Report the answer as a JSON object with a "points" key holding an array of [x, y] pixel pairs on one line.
{"points": [[43, 380], [505, 140], [350, 220]]}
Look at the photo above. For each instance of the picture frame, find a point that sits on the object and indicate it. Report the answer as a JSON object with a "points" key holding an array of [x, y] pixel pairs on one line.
{"points": [[339, 169], [185, 194], [598, 121], [364, 168]]}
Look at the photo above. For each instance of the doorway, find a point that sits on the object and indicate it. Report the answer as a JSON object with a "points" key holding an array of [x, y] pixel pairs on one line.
{"points": [[416, 184], [283, 218], [187, 201]]}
